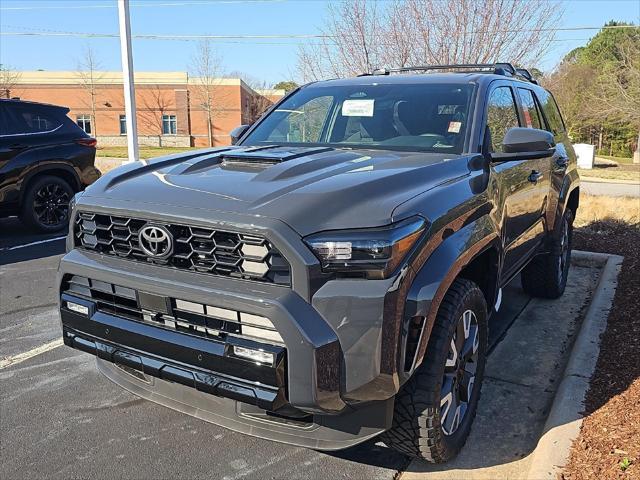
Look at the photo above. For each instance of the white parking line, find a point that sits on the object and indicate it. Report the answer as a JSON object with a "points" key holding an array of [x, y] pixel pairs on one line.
{"points": [[32, 243], [21, 357]]}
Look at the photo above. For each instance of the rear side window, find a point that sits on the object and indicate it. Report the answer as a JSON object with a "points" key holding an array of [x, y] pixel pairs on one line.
{"points": [[5, 122], [29, 119], [530, 109], [502, 115], [39, 121], [551, 113]]}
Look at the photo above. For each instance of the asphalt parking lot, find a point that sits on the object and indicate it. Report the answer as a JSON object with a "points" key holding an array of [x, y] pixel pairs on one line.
{"points": [[60, 418]]}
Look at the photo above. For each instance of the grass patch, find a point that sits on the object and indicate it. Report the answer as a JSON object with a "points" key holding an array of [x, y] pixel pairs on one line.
{"points": [[145, 152], [595, 209], [617, 159]]}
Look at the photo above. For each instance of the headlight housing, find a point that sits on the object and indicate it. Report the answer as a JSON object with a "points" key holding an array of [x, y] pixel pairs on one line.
{"points": [[374, 252], [72, 208]]}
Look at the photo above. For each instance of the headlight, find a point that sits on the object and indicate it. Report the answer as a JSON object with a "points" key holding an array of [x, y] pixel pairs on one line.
{"points": [[375, 252], [73, 202]]}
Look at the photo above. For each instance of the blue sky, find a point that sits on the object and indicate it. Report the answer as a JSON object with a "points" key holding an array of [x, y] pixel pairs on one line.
{"points": [[271, 60]]}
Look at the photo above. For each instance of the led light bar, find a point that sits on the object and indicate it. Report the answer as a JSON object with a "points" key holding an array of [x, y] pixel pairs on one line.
{"points": [[76, 307], [257, 356]]}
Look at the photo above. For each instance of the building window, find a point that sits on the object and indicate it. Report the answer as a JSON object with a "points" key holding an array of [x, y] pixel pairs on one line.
{"points": [[84, 122], [169, 125], [123, 124]]}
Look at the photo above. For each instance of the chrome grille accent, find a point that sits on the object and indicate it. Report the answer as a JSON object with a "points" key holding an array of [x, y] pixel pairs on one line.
{"points": [[184, 316], [199, 249]]}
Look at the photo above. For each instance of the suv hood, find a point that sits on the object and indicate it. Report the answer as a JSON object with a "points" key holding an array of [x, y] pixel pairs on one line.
{"points": [[310, 189]]}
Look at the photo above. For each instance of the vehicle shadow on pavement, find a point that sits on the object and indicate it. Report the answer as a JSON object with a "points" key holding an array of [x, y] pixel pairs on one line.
{"points": [[19, 244], [373, 453]]}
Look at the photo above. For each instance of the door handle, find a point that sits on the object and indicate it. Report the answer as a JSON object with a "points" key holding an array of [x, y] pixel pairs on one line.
{"points": [[562, 162], [535, 176]]}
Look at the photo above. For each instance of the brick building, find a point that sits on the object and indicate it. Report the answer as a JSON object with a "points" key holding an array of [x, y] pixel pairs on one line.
{"points": [[171, 105]]}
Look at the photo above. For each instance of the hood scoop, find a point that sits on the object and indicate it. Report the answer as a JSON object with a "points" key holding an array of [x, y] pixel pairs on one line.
{"points": [[269, 156]]}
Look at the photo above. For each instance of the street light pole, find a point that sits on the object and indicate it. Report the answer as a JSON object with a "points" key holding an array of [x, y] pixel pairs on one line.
{"points": [[127, 77]]}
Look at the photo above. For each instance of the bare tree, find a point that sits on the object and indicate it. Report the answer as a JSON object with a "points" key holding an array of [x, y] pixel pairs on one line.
{"points": [[206, 67], [352, 44], [9, 78], [361, 35], [156, 102], [570, 84], [89, 76]]}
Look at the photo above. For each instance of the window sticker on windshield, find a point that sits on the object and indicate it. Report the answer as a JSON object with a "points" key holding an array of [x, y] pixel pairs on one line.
{"points": [[454, 127], [357, 108], [447, 109]]}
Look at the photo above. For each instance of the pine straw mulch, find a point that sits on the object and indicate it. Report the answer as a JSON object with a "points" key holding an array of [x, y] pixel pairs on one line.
{"points": [[611, 431]]}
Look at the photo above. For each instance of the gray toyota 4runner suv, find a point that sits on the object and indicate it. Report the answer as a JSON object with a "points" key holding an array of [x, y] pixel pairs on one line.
{"points": [[329, 277]]}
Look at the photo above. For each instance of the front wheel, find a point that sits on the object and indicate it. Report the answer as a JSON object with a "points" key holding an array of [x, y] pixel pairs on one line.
{"points": [[546, 275], [434, 410]]}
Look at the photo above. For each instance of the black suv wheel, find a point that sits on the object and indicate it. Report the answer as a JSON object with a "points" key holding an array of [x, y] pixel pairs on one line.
{"points": [[546, 275], [435, 408], [46, 204]]}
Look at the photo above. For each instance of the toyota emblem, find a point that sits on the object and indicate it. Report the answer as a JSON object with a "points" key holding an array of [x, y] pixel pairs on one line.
{"points": [[155, 241]]}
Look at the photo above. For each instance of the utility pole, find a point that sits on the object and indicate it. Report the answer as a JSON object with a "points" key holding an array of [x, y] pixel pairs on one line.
{"points": [[127, 77]]}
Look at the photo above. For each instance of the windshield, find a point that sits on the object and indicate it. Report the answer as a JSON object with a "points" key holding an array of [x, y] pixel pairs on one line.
{"points": [[422, 117]]}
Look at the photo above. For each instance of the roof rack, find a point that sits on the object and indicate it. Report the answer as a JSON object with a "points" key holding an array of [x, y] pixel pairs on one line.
{"points": [[524, 73], [505, 69]]}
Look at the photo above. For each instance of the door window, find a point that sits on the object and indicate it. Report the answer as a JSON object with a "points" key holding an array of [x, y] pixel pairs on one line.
{"points": [[501, 116], [552, 113], [530, 110]]}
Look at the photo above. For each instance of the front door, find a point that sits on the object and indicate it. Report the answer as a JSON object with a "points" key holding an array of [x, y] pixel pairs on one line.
{"points": [[523, 184]]}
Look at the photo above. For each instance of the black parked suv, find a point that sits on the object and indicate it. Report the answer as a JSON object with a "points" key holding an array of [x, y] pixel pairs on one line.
{"points": [[45, 158], [331, 276]]}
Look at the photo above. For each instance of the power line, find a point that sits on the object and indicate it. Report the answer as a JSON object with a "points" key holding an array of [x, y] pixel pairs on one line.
{"points": [[138, 5], [52, 33]]}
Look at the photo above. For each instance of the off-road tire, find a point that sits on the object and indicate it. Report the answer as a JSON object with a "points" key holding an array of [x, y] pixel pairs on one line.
{"points": [[546, 275], [57, 189], [417, 430]]}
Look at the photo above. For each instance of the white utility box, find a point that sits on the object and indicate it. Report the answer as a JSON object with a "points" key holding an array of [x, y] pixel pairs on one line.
{"points": [[586, 154]]}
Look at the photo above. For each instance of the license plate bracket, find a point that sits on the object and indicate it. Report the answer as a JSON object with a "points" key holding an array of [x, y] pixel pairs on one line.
{"points": [[154, 303]]}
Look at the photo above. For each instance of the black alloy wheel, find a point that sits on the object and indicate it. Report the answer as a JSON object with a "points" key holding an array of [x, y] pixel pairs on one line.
{"points": [[46, 204], [51, 204], [459, 373]]}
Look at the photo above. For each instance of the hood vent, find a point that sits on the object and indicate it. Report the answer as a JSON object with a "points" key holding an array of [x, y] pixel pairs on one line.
{"points": [[271, 156]]}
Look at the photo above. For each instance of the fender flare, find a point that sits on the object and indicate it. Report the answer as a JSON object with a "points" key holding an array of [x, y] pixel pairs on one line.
{"points": [[43, 169], [435, 276], [570, 183]]}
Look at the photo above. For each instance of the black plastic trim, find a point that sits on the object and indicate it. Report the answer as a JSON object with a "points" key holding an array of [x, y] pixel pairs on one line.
{"points": [[203, 364]]}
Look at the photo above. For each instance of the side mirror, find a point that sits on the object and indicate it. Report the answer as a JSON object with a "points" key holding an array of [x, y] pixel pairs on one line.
{"points": [[525, 143], [237, 132]]}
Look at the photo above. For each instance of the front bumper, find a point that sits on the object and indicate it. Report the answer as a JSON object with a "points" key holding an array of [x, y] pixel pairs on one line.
{"points": [[341, 355], [322, 432]]}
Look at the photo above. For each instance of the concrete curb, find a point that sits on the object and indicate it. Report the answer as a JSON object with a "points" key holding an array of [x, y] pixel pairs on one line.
{"points": [[588, 179], [565, 417]]}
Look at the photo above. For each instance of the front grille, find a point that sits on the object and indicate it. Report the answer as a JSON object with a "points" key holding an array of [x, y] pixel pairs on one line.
{"points": [[181, 315], [199, 249]]}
